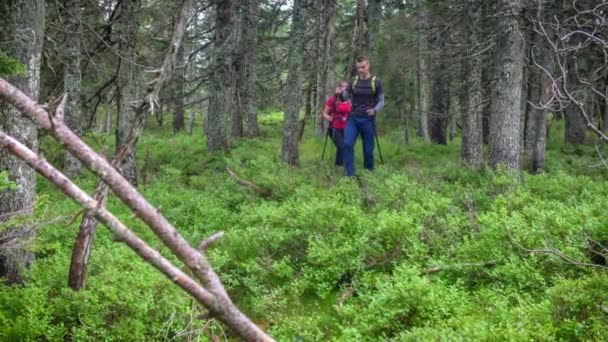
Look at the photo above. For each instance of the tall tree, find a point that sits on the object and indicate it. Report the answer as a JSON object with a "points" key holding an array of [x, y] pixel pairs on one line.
{"points": [[244, 65], [439, 92], [374, 18], [178, 85], [327, 46], [359, 43], [471, 95], [250, 39], [505, 109], [240, 69], [289, 147], [422, 74], [72, 79], [126, 86], [22, 35], [220, 81]]}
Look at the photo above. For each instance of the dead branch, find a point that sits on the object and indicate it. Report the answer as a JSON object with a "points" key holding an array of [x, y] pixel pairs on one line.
{"points": [[556, 252], [205, 244], [264, 192], [459, 266], [122, 232], [220, 304]]}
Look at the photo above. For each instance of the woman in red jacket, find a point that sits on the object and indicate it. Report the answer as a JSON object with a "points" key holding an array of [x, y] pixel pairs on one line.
{"points": [[337, 109]]}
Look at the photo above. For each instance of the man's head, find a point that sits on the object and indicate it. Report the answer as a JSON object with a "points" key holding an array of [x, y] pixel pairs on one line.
{"points": [[363, 67]]}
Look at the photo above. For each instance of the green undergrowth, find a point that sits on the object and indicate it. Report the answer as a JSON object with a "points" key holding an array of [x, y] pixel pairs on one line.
{"points": [[420, 249]]}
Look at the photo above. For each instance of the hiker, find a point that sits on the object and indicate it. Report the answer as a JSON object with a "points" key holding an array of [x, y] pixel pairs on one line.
{"points": [[337, 109], [367, 100]]}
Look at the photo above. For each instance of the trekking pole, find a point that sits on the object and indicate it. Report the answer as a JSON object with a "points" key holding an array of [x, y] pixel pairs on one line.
{"points": [[378, 144], [324, 145]]}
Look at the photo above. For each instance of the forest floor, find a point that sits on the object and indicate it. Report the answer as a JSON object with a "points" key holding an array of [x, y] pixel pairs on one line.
{"points": [[420, 249]]}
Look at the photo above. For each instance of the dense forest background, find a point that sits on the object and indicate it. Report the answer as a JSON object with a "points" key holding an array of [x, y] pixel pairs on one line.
{"points": [[485, 220]]}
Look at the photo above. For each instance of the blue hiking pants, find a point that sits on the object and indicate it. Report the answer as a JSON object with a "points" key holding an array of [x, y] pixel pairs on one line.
{"points": [[364, 125]]}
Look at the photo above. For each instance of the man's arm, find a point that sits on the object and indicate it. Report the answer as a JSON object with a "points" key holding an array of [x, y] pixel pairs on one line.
{"points": [[379, 95]]}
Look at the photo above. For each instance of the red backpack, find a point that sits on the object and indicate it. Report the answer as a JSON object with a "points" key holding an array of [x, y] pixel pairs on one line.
{"points": [[340, 110]]}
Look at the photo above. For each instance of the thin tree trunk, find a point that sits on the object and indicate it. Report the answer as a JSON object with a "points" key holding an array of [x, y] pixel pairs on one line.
{"points": [[374, 17], [158, 113], [250, 34], [221, 80], [22, 35], [405, 117], [126, 87], [325, 78], [358, 42], [107, 126], [308, 95], [289, 147], [505, 113], [422, 76], [603, 104], [72, 80], [534, 96], [178, 94], [191, 119]]}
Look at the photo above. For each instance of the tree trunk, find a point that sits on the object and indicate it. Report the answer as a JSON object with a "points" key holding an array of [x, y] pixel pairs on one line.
{"points": [[72, 81], [487, 69], [439, 96], [453, 109], [191, 119], [158, 113], [404, 116], [422, 76], [22, 35], [289, 147], [179, 81], [471, 96], [220, 92], [603, 104], [540, 130], [126, 87], [576, 126], [239, 65], [358, 42], [533, 95], [107, 126], [374, 17], [250, 36], [325, 79], [505, 110]]}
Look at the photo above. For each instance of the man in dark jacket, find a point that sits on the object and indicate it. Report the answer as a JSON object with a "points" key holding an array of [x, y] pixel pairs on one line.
{"points": [[367, 100]]}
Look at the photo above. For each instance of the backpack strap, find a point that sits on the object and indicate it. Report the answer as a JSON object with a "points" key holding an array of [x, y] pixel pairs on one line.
{"points": [[372, 83]]}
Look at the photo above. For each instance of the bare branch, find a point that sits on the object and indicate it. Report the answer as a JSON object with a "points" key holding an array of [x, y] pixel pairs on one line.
{"points": [[60, 111], [122, 232], [554, 251], [249, 185], [458, 266], [223, 307], [205, 244]]}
